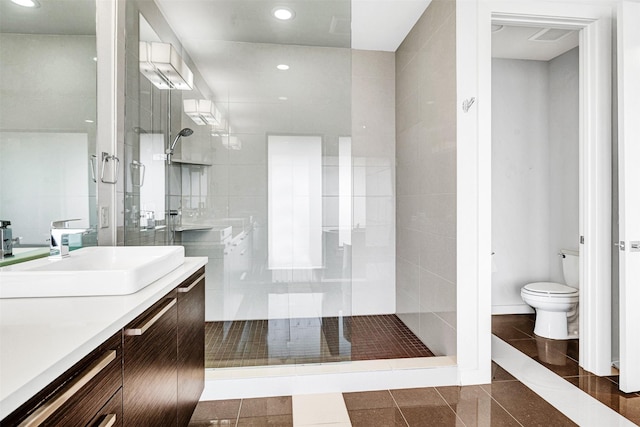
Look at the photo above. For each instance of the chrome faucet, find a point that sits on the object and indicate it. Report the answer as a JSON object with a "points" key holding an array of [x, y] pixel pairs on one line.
{"points": [[59, 241]]}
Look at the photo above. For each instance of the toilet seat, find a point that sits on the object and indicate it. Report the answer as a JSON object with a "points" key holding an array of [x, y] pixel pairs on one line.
{"points": [[549, 289]]}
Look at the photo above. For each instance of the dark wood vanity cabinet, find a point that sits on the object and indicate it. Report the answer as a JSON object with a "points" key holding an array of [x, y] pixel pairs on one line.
{"points": [[190, 345], [88, 394], [151, 373], [164, 358], [150, 370]]}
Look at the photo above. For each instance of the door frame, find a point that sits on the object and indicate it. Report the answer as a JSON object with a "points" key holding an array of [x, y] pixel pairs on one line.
{"points": [[629, 202], [474, 164]]}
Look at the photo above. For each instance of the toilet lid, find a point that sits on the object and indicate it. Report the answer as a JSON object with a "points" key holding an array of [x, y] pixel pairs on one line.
{"points": [[550, 288]]}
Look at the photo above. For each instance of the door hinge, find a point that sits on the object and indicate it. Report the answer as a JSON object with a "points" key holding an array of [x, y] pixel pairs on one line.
{"points": [[619, 244], [582, 240]]}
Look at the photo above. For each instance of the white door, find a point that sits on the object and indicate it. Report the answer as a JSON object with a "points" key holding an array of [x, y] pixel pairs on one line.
{"points": [[629, 192]]}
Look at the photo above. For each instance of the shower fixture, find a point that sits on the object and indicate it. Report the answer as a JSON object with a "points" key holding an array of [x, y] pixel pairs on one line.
{"points": [[184, 132]]}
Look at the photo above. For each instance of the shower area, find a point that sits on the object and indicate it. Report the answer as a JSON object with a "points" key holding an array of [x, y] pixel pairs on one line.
{"points": [[249, 161]]}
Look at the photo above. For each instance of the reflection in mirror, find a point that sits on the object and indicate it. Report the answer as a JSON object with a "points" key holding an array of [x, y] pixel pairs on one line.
{"points": [[47, 117], [148, 172]]}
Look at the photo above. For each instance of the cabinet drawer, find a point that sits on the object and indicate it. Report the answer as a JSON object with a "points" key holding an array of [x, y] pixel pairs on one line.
{"points": [[190, 345], [111, 414], [149, 353], [75, 397]]}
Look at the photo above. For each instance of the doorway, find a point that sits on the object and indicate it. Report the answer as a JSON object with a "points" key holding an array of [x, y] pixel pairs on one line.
{"points": [[535, 159], [594, 189], [474, 156]]}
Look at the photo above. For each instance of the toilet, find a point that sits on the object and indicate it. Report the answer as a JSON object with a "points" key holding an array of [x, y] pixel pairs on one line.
{"points": [[556, 304]]}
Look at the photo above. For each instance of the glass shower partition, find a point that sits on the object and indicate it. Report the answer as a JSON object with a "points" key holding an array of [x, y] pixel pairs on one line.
{"points": [[263, 191]]}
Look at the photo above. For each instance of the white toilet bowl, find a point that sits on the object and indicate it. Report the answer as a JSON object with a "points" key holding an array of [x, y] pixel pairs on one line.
{"points": [[555, 304]]}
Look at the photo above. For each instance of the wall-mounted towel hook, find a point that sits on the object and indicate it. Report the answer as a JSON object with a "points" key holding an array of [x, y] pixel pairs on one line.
{"points": [[467, 103]]}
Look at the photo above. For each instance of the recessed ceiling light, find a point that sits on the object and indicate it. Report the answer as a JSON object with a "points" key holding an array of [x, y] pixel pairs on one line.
{"points": [[27, 3], [283, 13], [95, 58], [282, 98], [88, 121], [282, 67]]}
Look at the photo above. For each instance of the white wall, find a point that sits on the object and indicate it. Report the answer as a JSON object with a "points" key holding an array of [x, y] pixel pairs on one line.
{"points": [[520, 177], [535, 173], [563, 158]]}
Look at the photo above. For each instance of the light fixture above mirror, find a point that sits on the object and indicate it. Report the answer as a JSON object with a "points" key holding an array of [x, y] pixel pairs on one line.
{"points": [[163, 66], [232, 142], [201, 111]]}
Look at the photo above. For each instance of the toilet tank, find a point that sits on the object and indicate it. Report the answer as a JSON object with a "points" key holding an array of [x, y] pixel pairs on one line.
{"points": [[571, 267]]}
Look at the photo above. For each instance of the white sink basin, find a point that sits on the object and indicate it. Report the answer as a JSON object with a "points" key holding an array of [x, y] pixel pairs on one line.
{"points": [[100, 270]]}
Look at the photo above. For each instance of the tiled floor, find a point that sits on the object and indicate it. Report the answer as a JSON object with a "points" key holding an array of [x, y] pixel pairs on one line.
{"points": [[268, 411], [505, 402], [562, 357], [295, 341], [548, 368]]}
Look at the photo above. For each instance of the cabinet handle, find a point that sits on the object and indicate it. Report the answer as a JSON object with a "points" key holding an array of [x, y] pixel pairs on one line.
{"points": [[191, 286], [151, 322], [42, 413], [108, 421]]}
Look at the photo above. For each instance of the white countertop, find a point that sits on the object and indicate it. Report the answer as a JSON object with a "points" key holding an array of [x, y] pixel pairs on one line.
{"points": [[41, 338]]}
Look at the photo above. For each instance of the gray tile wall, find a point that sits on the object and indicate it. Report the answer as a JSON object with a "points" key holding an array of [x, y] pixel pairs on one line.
{"points": [[426, 178], [373, 151]]}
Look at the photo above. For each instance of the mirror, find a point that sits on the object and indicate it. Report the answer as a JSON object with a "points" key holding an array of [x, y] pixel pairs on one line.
{"points": [[148, 173], [47, 116]]}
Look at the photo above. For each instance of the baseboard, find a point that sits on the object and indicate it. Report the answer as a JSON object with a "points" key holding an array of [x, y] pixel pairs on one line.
{"points": [[512, 309]]}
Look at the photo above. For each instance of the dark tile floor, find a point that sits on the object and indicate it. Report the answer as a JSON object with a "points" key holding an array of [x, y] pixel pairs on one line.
{"points": [[505, 402], [268, 411], [561, 357], [313, 340]]}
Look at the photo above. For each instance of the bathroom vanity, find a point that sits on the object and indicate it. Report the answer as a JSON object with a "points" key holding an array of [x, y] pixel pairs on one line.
{"points": [[116, 360]]}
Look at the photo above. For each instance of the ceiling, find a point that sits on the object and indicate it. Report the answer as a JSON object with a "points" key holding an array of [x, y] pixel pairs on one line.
{"points": [[512, 42], [251, 21], [70, 17], [375, 24], [383, 24], [237, 45]]}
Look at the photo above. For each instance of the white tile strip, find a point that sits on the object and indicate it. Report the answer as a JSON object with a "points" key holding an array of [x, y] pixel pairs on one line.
{"points": [[581, 408], [239, 383], [320, 410]]}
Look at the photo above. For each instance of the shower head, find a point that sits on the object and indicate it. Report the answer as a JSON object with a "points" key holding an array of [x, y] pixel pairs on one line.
{"points": [[184, 132]]}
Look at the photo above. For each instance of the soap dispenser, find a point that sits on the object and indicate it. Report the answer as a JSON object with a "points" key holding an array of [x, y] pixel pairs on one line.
{"points": [[6, 238]]}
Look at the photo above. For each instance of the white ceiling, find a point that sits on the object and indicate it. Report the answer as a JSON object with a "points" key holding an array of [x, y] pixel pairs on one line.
{"points": [[375, 24], [383, 24], [512, 42], [251, 21], [71, 17]]}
